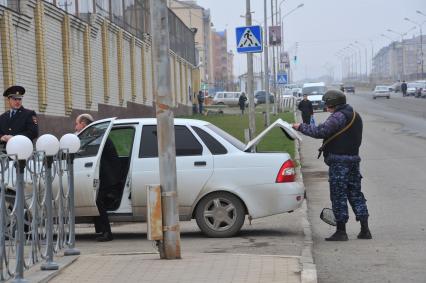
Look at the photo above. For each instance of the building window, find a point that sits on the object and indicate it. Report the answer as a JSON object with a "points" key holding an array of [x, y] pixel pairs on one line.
{"points": [[102, 8], [11, 4], [117, 12]]}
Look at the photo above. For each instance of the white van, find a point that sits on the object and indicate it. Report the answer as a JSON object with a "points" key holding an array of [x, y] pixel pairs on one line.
{"points": [[228, 98], [315, 91]]}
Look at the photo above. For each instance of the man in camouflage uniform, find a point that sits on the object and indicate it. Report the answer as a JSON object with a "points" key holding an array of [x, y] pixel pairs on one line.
{"points": [[341, 154]]}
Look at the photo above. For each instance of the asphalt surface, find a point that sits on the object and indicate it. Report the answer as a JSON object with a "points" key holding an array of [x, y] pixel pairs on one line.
{"points": [[394, 169]]}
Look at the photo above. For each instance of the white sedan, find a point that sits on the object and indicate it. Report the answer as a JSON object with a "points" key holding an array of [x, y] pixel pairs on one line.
{"points": [[219, 179], [381, 91]]}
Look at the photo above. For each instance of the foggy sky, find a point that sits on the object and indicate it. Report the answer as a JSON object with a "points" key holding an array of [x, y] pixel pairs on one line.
{"points": [[322, 27]]}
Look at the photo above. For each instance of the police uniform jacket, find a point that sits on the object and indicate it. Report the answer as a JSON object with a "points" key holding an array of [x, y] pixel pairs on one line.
{"points": [[24, 122]]}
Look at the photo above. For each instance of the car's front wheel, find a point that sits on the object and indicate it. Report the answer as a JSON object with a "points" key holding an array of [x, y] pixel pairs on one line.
{"points": [[220, 215]]}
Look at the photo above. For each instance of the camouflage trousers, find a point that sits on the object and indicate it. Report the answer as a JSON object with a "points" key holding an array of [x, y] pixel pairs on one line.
{"points": [[345, 185]]}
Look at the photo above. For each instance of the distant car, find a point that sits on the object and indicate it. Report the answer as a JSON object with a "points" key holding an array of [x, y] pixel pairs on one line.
{"points": [[297, 93], [349, 88], [381, 91], [261, 97], [396, 87], [421, 89], [315, 91], [413, 88], [228, 98], [220, 180]]}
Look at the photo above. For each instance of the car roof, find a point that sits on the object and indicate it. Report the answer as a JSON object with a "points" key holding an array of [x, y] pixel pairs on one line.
{"points": [[177, 121], [313, 84]]}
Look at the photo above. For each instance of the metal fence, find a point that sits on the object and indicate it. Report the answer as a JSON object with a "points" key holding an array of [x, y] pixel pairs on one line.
{"points": [[286, 103], [35, 222]]}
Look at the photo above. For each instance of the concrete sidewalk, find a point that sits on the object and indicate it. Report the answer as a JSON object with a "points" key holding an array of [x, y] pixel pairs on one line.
{"points": [[142, 267]]}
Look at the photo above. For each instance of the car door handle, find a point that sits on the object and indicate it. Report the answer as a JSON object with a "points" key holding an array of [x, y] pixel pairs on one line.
{"points": [[88, 164], [200, 163]]}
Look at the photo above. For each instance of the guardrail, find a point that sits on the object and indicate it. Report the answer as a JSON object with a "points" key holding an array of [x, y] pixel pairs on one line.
{"points": [[36, 222]]}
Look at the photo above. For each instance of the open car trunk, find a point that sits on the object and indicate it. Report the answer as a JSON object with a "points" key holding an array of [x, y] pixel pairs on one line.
{"points": [[285, 127]]}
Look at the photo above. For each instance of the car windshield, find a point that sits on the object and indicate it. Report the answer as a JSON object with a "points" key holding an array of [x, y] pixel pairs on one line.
{"points": [[314, 90], [229, 138], [382, 88]]}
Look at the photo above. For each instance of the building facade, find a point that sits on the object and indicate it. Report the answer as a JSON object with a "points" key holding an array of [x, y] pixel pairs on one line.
{"points": [[223, 66], [198, 19], [95, 59], [400, 61]]}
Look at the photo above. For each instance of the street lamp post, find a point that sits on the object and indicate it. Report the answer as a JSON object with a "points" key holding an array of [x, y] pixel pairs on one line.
{"points": [[421, 39], [366, 59], [359, 59], [403, 48]]}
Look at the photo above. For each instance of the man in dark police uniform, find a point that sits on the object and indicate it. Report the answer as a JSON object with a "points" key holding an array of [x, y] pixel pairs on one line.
{"points": [[17, 120]]}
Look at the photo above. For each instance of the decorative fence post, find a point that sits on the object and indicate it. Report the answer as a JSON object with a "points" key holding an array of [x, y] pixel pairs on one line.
{"points": [[20, 148], [71, 143], [26, 204], [50, 145]]}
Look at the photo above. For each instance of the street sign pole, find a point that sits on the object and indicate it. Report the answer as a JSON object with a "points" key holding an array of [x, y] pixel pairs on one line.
{"points": [[170, 246], [250, 93], [266, 64]]}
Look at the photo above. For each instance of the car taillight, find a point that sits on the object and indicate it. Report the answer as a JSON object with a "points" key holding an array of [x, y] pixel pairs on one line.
{"points": [[287, 172]]}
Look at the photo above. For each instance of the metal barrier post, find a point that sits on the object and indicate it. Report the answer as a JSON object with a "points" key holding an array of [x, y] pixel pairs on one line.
{"points": [[19, 273], [49, 264], [3, 163], [71, 250]]}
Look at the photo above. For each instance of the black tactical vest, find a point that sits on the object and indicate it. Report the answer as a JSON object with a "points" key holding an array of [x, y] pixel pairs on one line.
{"points": [[349, 141]]}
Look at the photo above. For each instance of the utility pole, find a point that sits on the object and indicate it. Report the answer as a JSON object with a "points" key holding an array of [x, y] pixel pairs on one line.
{"points": [[274, 72], [250, 93], [266, 69], [170, 245]]}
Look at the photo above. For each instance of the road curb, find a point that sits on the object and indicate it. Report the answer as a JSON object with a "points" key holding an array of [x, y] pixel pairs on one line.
{"points": [[309, 269]]}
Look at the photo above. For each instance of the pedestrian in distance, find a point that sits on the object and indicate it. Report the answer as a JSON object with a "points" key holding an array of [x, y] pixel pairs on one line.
{"points": [[342, 135], [200, 98], [404, 88], [109, 181], [305, 106], [342, 88], [17, 120], [242, 102]]}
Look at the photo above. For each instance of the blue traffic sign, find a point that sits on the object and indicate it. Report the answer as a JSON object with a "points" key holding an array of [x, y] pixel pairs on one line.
{"points": [[249, 39], [282, 79]]}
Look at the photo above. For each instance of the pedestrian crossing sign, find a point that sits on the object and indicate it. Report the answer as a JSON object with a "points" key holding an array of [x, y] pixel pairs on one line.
{"points": [[249, 39], [282, 79]]}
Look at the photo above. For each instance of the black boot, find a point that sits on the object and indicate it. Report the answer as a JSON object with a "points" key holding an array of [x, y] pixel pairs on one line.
{"points": [[340, 234], [365, 231], [105, 237]]}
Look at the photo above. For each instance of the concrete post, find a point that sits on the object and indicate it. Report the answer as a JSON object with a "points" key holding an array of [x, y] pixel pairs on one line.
{"points": [[170, 247]]}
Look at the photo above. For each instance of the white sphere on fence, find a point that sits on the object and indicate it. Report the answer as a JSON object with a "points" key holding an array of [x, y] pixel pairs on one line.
{"points": [[48, 143], [21, 146], [70, 142]]}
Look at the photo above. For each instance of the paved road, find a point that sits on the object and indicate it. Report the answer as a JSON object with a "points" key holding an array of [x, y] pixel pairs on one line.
{"points": [[394, 169]]}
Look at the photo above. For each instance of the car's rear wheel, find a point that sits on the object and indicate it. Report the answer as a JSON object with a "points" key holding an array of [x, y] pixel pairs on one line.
{"points": [[220, 215], [388, 97]]}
